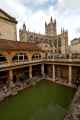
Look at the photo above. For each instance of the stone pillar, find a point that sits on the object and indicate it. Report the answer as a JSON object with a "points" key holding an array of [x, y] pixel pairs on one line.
{"points": [[30, 71], [10, 75], [70, 75], [42, 70], [23, 57], [57, 45], [11, 84], [18, 58], [53, 73], [70, 55]]}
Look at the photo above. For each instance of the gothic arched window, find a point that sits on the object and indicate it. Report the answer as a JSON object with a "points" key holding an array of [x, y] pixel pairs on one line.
{"points": [[59, 42]]}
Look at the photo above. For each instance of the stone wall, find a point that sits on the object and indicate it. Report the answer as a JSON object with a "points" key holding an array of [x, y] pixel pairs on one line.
{"points": [[7, 30], [74, 111], [75, 48]]}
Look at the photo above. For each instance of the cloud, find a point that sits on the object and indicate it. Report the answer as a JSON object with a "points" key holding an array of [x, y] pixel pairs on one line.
{"points": [[72, 4], [33, 2], [78, 30], [34, 14], [38, 4]]}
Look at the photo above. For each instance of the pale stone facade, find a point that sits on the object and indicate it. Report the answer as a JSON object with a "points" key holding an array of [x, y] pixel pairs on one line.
{"points": [[7, 26], [75, 46], [57, 43]]}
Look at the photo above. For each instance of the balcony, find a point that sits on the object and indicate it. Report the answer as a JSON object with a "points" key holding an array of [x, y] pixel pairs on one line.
{"points": [[18, 63], [4, 65], [63, 60]]}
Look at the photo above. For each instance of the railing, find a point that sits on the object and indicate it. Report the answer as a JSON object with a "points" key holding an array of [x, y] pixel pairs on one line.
{"points": [[25, 62], [3, 64], [15, 63], [63, 60]]}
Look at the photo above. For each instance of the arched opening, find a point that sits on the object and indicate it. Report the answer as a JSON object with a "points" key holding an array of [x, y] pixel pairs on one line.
{"points": [[2, 59], [20, 57], [36, 56], [59, 42], [36, 70], [76, 76], [48, 70], [4, 84], [61, 73], [21, 77]]}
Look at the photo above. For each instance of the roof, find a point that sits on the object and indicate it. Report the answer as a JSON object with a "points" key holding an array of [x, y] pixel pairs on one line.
{"points": [[17, 45], [9, 17]]}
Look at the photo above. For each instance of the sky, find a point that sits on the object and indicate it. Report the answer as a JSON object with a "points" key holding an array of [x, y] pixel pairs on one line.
{"points": [[34, 13]]}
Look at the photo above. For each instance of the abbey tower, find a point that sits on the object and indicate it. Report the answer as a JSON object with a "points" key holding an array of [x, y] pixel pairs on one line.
{"points": [[55, 43], [50, 29]]}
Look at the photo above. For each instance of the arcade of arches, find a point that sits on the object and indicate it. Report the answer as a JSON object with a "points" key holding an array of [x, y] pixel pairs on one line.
{"points": [[31, 66], [20, 56], [61, 73]]}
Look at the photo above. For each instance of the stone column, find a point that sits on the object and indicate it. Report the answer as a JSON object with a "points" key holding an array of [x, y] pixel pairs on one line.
{"points": [[18, 58], [70, 56], [57, 45], [70, 75], [11, 84], [53, 73], [42, 70], [10, 75], [23, 57], [30, 71]]}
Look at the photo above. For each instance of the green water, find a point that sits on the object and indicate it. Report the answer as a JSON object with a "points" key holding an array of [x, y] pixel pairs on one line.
{"points": [[44, 101]]}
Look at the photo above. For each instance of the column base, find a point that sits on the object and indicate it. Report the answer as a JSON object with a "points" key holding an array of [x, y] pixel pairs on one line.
{"points": [[12, 88]]}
